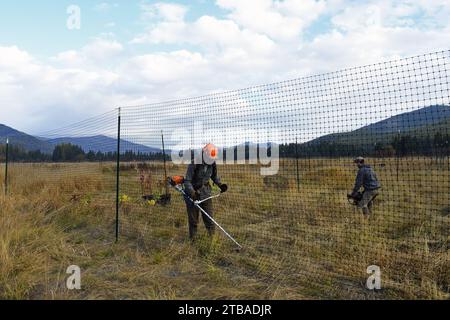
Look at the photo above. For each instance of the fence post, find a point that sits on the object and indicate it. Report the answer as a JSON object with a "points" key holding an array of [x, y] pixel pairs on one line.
{"points": [[164, 153], [398, 157], [6, 166], [165, 162], [298, 169], [118, 177], [398, 165]]}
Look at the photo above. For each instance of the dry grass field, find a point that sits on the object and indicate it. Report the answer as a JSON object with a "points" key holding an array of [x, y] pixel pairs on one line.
{"points": [[305, 243]]}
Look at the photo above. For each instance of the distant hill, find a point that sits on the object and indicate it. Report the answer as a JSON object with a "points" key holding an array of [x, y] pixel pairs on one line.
{"points": [[97, 143], [103, 144], [420, 122], [23, 140]]}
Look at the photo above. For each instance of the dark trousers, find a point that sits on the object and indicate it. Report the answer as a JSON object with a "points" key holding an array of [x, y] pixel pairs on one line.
{"points": [[193, 217]]}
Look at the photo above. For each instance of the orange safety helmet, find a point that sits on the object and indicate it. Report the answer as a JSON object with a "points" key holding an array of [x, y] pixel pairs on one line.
{"points": [[211, 151]]}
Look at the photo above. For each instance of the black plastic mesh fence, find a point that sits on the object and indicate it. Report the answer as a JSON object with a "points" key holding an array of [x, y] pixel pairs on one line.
{"points": [[286, 152], [55, 172]]}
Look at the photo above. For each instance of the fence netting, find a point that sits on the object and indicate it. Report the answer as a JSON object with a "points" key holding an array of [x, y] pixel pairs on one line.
{"points": [[286, 151], [67, 173]]}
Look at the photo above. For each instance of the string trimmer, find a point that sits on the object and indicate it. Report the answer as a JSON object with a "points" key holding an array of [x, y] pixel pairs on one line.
{"points": [[354, 199], [177, 183]]}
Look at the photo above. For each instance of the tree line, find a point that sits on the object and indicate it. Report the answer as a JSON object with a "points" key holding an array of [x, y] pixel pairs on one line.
{"points": [[17, 153], [400, 146], [67, 152]]}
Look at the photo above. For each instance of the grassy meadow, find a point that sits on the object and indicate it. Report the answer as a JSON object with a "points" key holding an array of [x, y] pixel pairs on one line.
{"points": [[300, 241]]}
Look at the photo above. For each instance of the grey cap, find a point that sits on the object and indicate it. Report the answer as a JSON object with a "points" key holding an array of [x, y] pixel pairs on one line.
{"points": [[359, 160]]}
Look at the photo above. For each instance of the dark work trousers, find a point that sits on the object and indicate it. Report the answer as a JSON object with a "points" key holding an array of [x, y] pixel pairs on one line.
{"points": [[193, 217]]}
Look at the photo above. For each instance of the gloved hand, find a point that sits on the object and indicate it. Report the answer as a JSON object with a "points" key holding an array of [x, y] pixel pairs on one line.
{"points": [[223, 188]]}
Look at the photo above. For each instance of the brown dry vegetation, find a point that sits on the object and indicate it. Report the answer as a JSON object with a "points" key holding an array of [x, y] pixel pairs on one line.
{"points": [[306, 243]]}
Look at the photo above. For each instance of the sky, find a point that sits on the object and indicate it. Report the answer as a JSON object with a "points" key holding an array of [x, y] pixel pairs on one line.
{"points": [[53, 73]]}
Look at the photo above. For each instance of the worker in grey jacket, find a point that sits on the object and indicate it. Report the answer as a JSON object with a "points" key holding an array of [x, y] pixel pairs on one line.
{"points": [[198, 187], [367, 179]]}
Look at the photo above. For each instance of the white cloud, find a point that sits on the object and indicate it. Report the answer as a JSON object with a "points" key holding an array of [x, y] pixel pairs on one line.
{"points": [[36, 95], [98, 51], [164, 11], [281, 20], [262, 39], [163, 68], [105, 6]]}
